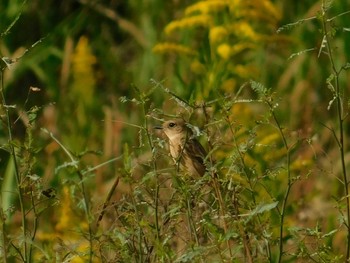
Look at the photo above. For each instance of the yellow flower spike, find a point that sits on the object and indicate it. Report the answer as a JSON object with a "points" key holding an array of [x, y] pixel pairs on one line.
{"points": [[189, 22], [217, 34], [211, 79], [205, 7], [168, 47], [224, 51], [240, 47], [229, 85], [235, 3], [300, 163], [268, 8], [83, 80], [66, 213], [197, 67], [265, 143], [245, 71], [236, 7], [83, 57], [257, 10], [244, 31]]}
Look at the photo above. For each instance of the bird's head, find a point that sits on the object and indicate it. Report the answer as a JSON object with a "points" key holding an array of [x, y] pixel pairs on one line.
{"points": [[174, 129]]}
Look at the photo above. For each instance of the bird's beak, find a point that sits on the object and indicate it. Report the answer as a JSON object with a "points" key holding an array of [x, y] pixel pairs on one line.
{"points": [[158, 127]]}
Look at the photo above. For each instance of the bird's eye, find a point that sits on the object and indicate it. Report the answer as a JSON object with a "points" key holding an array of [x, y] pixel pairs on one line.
{"points": [[172, 124]]}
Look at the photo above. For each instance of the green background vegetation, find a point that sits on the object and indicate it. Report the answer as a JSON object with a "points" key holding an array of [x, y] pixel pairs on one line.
{"points": [[85, 178]]}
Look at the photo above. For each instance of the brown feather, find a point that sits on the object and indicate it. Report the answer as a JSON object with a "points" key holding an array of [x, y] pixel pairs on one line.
{"points": [[184, 149]]}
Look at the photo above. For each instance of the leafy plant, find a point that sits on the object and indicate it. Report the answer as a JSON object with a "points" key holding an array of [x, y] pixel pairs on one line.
{"points": [[86, 178]]}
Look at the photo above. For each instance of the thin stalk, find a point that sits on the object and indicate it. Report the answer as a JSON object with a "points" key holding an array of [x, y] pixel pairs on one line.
{"points": [[283, 209], [83, 190], [216, 185], [4, 240], [191, 223], [17, 174], [87, 213], [155, 169], [289, 184], [342, 158], [106, 202], [241, 159], [139, 230], [35, 225], [340, 120], [245, 237], [222, 208]]}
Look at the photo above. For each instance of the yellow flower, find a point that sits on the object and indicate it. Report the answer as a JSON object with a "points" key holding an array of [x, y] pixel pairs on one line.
{"points": [[241, 46], [268, 8], [241, 111], [189, 22], [245, 71], [217, 34], [84, 80], [255, 10], [229, 85], [243, 30], [197, 67], [301, 163], [66, 218], [268, 140], [211, 78], [235, 3], [224, 51], [236, 7], [168, 47], [205, 7], [83, 59]]}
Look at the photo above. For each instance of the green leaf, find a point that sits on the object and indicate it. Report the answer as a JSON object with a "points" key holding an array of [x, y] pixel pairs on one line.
{"points": [[259, 88], [261, 208], [265, 207]]}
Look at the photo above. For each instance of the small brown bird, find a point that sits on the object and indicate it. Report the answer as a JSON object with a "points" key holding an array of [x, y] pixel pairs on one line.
{"points": [[184, 148]]}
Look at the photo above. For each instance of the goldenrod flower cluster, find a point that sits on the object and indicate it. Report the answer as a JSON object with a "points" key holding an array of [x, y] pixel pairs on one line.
{"points": [[188, 22], [233, 28], [83, 73], [84, 81], [205, 7], [173, 48], [217, 34]]}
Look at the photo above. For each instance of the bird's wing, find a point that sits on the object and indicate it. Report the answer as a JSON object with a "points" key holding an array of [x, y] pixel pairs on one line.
{"points": [[196, 150]]}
